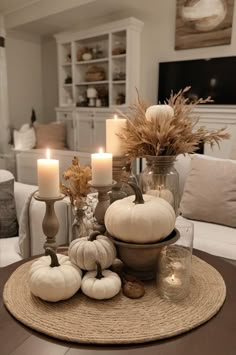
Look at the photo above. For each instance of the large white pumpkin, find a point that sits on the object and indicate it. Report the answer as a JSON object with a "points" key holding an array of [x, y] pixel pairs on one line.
{"points": [[54, 278], [143, 219], [86, 251], [159, 112]]}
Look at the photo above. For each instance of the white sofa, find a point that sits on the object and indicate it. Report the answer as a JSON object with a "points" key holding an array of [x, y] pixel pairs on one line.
{"points": [[212, 238], [26, 162], [31, 211]]}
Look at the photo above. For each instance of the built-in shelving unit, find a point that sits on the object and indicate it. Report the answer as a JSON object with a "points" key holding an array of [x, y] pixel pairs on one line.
{"points": [[98, 72]]}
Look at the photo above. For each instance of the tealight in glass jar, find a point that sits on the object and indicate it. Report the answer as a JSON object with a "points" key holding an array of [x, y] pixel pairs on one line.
{"points": [[174, 264]]}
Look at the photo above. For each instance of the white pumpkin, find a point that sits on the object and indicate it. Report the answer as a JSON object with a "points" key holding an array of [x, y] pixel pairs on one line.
{"points": [[54, 278], [166, 194], [159, 112], [101, 284], [85, 251], [145, 219]]}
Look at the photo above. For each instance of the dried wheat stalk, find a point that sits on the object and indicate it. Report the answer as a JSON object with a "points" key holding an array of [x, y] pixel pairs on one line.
{"points": [[171, 136]]}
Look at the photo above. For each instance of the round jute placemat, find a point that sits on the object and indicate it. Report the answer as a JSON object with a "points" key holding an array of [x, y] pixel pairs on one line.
{"points": [[119, 320]]}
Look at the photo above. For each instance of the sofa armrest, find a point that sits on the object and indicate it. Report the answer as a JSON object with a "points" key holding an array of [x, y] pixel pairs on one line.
{"points": [[36, 214], [22, 192], [30, 214]]}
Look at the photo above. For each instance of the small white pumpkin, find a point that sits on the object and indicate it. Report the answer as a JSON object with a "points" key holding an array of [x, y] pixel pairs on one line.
{"points": [[166, 194], [101, 284], [146, 219], [159, 112], [53, 277], [85, 251]]}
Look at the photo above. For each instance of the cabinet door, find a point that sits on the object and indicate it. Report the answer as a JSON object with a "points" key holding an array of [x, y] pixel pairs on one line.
{"points": [[85, 129]]}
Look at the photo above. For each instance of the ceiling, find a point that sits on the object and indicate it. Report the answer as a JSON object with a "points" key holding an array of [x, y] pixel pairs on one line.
{"points": [[9, 6], [77, 17]]}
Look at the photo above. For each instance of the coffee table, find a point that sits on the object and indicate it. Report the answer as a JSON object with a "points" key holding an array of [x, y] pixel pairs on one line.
{"points": [[216, 337]]}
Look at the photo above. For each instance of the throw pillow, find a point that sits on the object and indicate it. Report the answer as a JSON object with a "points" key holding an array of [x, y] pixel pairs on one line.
{"points": [[210, 191], [24, 138], [51, 135], [8, 220]]}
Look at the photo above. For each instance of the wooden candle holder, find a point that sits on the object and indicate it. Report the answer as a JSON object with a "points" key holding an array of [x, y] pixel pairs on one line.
{"points": [[50, 222], [103, 200]]}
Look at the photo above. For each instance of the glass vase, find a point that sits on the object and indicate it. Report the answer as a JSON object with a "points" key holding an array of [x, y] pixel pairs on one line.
{"points": [[160, 178], [79, 227]]}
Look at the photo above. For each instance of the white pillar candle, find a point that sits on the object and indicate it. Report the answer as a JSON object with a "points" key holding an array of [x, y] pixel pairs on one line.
{"points": [[113, 142], [48, 177], [101, 168]]}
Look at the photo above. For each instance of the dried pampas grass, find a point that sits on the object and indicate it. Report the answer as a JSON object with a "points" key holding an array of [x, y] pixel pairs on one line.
{"points": [[170, 136]]}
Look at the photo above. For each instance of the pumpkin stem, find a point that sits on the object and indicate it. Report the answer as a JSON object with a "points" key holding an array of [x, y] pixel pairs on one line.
{"points": [[54, 259], [138, 193], [93, 236], [99, 274]]}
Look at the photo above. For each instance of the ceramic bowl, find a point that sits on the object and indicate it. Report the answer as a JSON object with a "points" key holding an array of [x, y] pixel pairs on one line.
{"points": [[140, 260]]}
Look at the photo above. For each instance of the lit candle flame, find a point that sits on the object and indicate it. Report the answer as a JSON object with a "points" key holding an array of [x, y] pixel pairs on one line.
{"points": [[115, 117], [48, 153], [100, 150], [173, 277]]}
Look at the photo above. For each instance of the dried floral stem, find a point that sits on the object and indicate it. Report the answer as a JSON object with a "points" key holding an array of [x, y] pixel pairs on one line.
{"points": [[170, 136], [77, 178]]}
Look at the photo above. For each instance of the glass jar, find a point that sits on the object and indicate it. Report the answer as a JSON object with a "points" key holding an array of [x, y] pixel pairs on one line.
{"points": [[175, 263], [160, 178]]}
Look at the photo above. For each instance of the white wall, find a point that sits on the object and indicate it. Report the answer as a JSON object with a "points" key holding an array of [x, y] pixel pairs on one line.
{"points": [[49, 79], [24, 67]]}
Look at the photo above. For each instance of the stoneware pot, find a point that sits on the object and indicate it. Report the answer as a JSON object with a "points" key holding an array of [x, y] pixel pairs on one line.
{"points": [[140, 260]]}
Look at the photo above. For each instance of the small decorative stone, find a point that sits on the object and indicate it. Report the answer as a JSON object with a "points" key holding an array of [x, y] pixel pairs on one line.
{"points": [[133, 289]]}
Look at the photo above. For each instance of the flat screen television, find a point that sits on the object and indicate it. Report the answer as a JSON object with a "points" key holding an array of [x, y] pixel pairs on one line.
{"points": [[215, 77]]}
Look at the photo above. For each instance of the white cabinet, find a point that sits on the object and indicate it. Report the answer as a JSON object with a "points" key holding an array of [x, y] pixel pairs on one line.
{"points": [[98, 72], [86, 130], [105, 59]]}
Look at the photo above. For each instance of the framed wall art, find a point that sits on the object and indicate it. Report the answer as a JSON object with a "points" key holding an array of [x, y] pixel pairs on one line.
{"points": [[203, 23]]}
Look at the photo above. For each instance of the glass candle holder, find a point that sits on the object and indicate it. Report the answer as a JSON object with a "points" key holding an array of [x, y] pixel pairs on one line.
{"points": [[174, 265]]}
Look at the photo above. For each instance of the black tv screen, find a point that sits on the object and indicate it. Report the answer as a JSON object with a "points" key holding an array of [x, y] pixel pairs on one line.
{"points": [[215, 77]]}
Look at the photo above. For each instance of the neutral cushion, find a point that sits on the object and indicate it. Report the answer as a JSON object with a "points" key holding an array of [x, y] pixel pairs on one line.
{"points": [[52, 135], [210, 191], [8, 219], [24, 139], [183, 167]]}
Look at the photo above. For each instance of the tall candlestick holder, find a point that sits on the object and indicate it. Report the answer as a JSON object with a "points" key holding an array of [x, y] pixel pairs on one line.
{"points": [[103, 200], [121, 173], [50, 222]]}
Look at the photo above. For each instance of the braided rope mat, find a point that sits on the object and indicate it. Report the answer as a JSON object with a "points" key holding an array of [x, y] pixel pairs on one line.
{"points": [[119, 320]]}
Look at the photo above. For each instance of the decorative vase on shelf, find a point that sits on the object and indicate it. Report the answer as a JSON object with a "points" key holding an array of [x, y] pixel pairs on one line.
{"points": [[160, 178]]}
